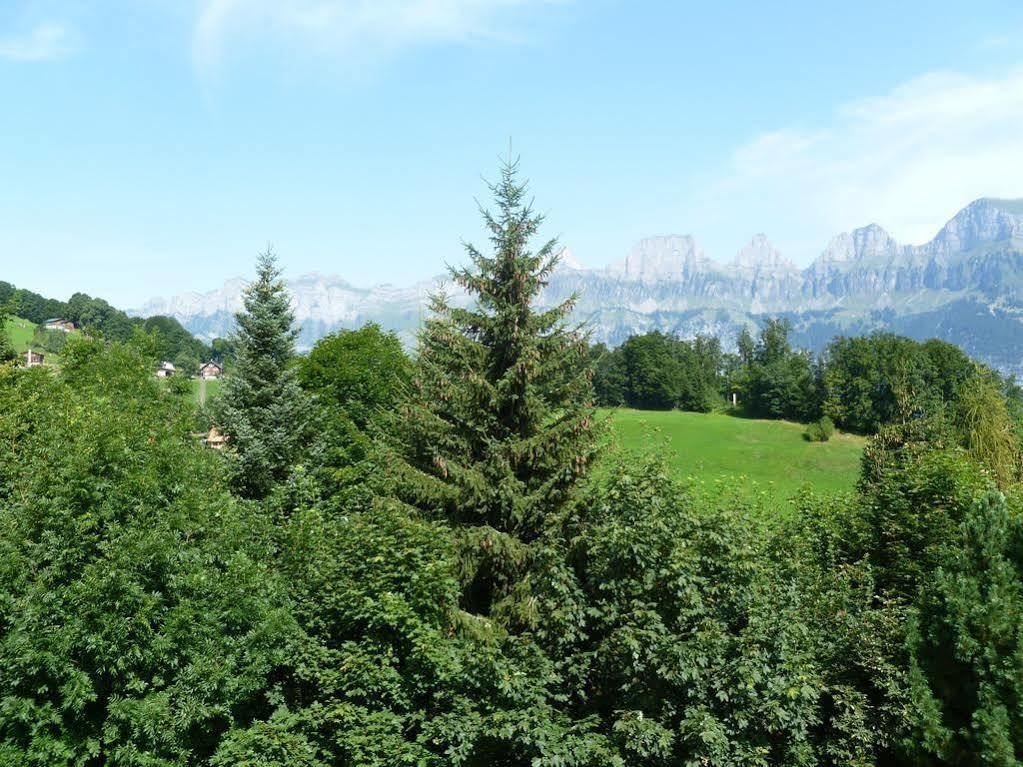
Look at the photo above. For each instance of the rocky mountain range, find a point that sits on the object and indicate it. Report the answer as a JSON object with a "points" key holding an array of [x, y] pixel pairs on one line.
{"points": [[964, 286]]}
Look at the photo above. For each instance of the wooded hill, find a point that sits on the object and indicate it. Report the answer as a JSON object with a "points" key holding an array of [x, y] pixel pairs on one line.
{"points": [[173, 342]]}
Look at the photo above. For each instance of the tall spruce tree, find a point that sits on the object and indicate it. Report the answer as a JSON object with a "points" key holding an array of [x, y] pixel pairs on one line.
{"points": [[498, 428], [261, 409]]}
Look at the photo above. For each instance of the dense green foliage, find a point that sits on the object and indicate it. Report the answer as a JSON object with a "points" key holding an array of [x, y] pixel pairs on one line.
{"points": [[882, 379], [362, 372], [688, 653], [966, 644], [777, 380], [139, 615], [820, 430], [7, 352], [989, 424], [659, 372], [428, 571], [31, 306]]}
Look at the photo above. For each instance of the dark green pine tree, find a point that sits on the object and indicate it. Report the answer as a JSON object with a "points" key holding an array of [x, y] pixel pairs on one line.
{"points": [[499, 427], [966, 646], [261, 409]]}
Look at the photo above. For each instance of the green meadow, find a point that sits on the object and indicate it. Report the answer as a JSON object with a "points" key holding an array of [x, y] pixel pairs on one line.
{"points": [[20, 332], [212, 388], [763, 461]]}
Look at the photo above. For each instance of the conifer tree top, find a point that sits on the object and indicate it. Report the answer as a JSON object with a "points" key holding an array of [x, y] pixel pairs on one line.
{"points": [[513, 276], [498, 429], [267, 323]]}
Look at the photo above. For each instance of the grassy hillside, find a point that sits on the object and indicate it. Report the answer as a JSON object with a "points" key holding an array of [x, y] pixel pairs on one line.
{"points": [[20, 332], [766, 460]]}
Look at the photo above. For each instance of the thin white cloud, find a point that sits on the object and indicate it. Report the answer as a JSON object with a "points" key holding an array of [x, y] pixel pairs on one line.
{"points": [[907, 160], [363, 29], [42, 43], [1005, 39]]}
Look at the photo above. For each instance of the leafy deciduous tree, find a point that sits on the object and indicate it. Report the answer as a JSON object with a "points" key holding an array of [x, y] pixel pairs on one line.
{"points": [[140, 617], [361, 371]]}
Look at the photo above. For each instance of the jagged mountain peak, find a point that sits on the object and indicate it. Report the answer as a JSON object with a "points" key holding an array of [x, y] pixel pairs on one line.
{"points": [[661, 258], [1012, 207], [318, 278], [567, 260], [867, 243], [984, 221], [759, 254]]}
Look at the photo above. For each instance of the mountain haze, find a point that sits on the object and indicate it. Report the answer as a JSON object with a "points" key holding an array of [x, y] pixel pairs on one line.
{"points": [[965, 286]]}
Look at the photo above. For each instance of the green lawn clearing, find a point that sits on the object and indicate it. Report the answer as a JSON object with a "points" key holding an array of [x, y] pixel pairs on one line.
{"points": [[765, 460], [20, 332]]}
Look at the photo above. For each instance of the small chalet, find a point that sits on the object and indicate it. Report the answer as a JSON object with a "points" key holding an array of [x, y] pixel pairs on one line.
{"points": [[33, 359], [211, 370], [59, 323], [166, 370], [214, 439]]}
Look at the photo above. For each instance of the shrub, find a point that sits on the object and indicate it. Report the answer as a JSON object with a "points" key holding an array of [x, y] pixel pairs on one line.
{"points": [[820, 431], [692, 648]]}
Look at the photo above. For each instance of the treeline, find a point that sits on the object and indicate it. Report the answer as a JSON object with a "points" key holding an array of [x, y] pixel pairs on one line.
{"points": [[661, 372], [860, 384], [435, 562], [173, 342]]}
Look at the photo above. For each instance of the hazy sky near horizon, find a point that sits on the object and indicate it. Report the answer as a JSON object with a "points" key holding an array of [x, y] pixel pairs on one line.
{"points": [[149, 147]]}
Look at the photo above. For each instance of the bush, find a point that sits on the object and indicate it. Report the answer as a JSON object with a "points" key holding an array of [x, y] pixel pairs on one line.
{"points": [[692, 648], [139, 618], [820, 431], [49, 341]]}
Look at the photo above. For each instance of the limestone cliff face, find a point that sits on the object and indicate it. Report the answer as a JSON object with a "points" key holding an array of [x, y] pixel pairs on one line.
{"points": [[863, 280]]}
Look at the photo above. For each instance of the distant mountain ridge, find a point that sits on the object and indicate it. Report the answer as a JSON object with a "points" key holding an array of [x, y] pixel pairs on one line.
{"points": [[965, 285]]}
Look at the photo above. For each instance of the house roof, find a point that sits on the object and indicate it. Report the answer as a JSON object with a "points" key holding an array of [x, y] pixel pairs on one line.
{"points": [[215, 437], [167, 366]]}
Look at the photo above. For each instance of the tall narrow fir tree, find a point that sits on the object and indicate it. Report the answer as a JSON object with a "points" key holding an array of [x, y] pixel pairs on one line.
{"points": [[499, 427], [261, 409]]}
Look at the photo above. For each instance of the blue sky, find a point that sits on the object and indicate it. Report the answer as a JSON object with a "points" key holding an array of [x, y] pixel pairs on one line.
{"points": [[149, 147]]}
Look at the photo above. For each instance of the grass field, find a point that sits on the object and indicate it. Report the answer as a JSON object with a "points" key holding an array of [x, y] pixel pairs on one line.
{"points": [[765, 460], [212, 387], [20, 332]]}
